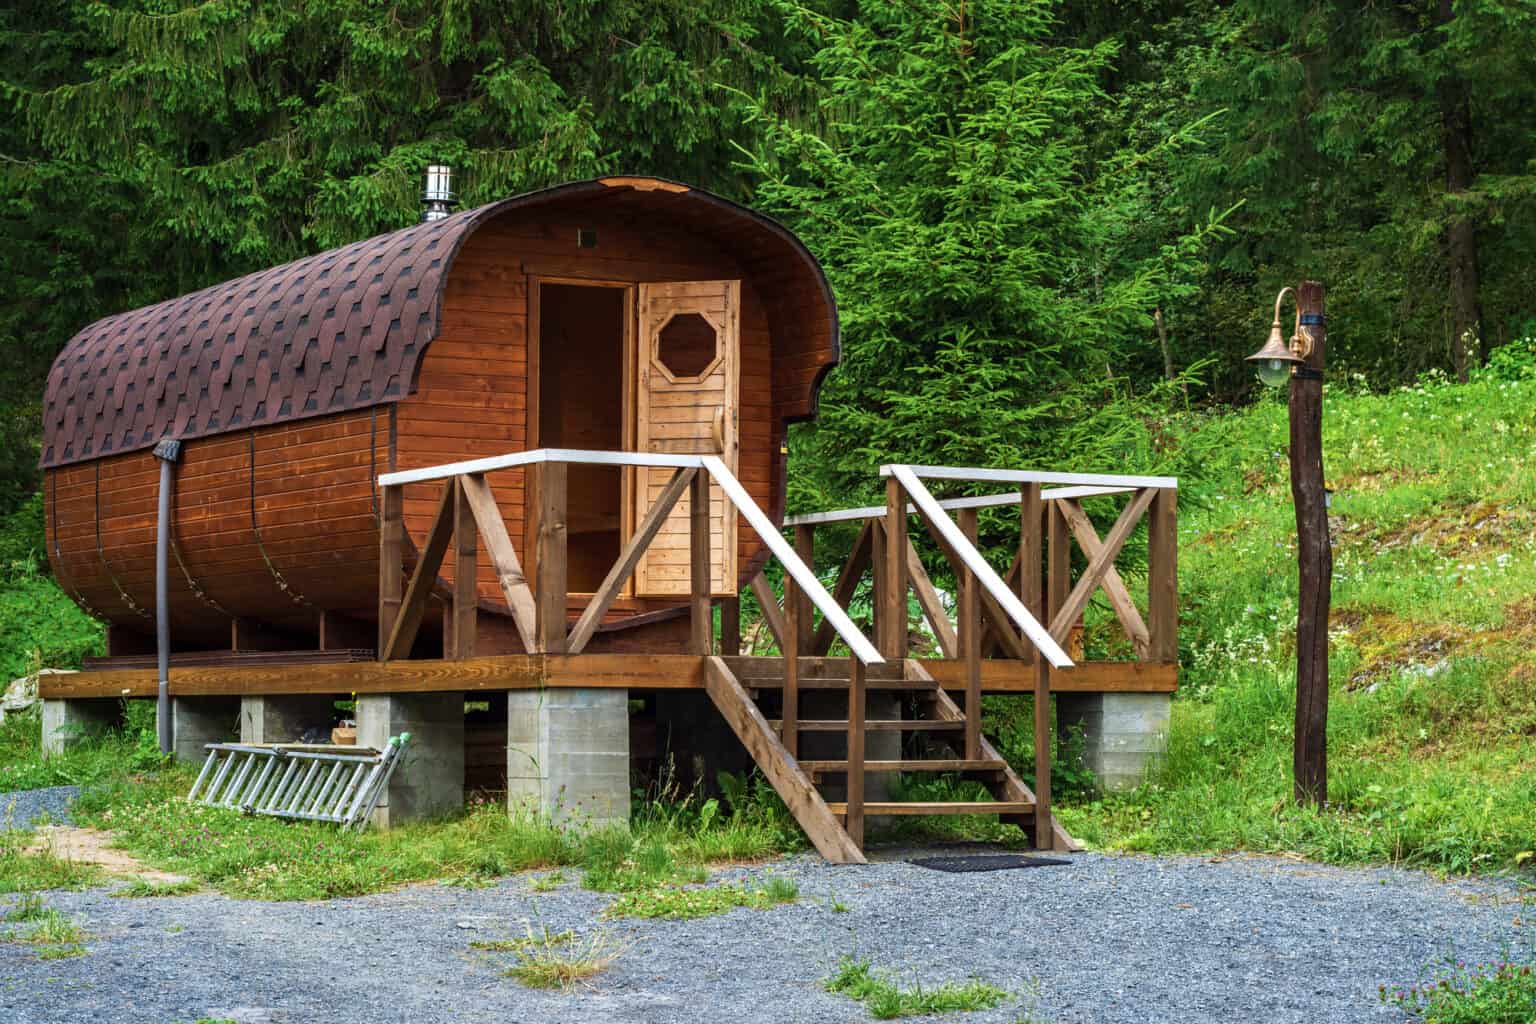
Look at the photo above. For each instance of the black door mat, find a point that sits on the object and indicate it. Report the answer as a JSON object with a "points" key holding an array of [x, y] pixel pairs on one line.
{"points": [[986, 862]]}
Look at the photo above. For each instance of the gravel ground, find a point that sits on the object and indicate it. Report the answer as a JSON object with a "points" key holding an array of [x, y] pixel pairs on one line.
{"points": [[20, 810], [1104, 940]]}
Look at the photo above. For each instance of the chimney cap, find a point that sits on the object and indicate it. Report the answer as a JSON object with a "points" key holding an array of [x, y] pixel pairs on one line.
{"points": [[437, 198]]}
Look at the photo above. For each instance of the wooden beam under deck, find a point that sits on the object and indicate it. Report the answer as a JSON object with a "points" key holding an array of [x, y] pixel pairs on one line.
{"points": [[531, 671]]}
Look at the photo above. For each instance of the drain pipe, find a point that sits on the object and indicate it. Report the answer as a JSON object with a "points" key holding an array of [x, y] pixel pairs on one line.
{"points": [[167, 451]]}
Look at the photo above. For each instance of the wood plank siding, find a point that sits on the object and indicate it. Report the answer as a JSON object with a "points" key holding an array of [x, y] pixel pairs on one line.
{"points": [[429, 361]]}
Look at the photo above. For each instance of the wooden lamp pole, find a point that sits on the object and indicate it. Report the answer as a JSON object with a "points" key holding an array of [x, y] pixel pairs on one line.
{"points": [[1301, 361]]}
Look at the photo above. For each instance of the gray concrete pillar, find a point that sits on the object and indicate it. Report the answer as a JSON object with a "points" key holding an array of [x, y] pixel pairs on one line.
{"points": [[1125, 734], [568, 754], [429, 780], [284, 718], [197, 721], [67, 722]]}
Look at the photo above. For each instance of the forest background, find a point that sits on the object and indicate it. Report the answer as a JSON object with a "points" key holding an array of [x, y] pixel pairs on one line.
{"points": [[1053, 228]]}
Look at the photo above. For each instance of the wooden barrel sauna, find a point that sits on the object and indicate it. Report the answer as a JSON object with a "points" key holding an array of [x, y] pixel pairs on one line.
{"points": [[615, 314]]}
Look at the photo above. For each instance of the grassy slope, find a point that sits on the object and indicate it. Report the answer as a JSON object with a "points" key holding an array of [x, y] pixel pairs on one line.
{"points": [[1432, 725]]}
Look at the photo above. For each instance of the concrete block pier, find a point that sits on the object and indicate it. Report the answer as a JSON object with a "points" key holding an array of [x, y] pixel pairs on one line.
{"points": [[429, 780], [1126, 734], [568, 754], [66, 722]]}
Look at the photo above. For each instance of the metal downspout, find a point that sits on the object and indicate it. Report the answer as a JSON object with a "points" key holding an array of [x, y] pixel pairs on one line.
{"points": [[167, 452]]}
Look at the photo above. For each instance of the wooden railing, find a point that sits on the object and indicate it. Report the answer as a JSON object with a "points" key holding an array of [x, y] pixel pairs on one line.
{"points": [[468, 513], [1030, 613]]}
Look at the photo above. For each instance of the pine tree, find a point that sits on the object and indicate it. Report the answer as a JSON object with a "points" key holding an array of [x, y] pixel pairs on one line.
{"points": [[990, 262]]}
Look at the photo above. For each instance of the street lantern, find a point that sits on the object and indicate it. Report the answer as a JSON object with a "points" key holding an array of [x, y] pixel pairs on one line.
{"points": [[1299, 361], [1278, 359]]}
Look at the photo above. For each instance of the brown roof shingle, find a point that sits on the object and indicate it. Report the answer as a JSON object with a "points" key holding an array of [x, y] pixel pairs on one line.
{"points": [[340, 330]]}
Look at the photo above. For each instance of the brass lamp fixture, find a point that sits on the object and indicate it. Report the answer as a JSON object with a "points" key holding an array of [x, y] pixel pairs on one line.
{"points": [[1278, 359]]}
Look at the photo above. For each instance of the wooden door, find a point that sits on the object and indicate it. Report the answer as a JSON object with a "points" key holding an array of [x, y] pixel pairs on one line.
{"points": [[689, 359]]}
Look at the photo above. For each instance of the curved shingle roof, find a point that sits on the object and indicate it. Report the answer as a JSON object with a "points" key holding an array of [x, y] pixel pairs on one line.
{"points": [[340, 330]]}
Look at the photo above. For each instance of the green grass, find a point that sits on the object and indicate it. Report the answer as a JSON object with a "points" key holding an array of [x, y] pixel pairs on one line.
{"points": [[140, 889], [266, 858], [561, 961], [1491, 993], [56, 936], [26, 870], [1432, 722], [541, 939], [885, 1000], [678, 903]]}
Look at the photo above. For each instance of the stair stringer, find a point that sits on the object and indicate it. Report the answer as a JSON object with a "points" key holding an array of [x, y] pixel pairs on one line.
{"points": [[780, 768], [1011, 786]]}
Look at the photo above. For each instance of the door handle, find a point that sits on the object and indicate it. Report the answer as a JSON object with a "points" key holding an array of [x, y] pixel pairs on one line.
{"points": [[717, 430]]}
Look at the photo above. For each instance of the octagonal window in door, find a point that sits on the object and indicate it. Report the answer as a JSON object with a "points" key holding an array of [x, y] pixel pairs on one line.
{"points": [[687, 347]]}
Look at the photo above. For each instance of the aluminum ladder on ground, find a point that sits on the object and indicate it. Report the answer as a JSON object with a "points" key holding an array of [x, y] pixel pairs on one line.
{"points": [[339, 784]]}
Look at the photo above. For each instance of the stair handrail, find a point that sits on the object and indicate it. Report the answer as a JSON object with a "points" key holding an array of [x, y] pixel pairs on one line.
{"points": [[804, 578], [985, 575]]}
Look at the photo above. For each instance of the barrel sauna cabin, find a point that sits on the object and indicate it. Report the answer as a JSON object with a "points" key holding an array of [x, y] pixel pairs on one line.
{"points": [[630, 314]]}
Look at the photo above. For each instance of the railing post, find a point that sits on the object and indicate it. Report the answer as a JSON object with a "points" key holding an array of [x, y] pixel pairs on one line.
{"points": [[1032, 554], [391, 561], [892, 619], [1044, 838], [1058, 573], [700, 581], [466, 570], [730, 626], [853, 822], [1163, 576], [805, 548], [969, 614], [549, 480]]}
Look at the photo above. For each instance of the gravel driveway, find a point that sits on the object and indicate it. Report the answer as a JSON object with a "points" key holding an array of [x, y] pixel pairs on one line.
{"points": [[1104, 940]]}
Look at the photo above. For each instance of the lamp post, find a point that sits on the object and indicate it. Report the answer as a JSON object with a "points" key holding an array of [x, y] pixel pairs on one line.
{"points": [[1300, 361]]}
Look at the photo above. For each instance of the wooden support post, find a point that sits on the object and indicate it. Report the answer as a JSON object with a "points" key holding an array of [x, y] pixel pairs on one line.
{"points": [[730, 627], [1031, 559], [892, 635], [1314, 555], [970, 642], [853, 823], [700, 578], [1044, 837], [796, 641], [551, 556], [391, 561], [466, 571], [805, 547], [1163, 576], [1058, 570]]}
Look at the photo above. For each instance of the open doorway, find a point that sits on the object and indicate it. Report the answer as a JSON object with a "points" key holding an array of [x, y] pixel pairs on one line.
{"points": [[581, 404]]}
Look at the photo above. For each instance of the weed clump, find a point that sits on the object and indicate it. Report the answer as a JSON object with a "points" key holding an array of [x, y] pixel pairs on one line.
{"points": [[885, 1000]]}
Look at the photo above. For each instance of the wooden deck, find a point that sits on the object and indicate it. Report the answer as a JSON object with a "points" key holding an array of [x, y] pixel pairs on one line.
{"points": [[270, 673]]}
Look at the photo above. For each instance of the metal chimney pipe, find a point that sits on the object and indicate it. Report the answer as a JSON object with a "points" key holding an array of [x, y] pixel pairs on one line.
{"points": [[437, 199]]}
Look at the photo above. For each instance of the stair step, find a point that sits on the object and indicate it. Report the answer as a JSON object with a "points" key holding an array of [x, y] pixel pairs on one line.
{"points": [[872, 725], [831, 683], [976, 807], [932, 765], [750, 669]]}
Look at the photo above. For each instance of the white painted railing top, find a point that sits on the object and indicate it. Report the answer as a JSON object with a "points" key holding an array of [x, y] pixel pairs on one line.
{"points": [[1031, 476], [979, 501], [535, 457], [722, 475]]}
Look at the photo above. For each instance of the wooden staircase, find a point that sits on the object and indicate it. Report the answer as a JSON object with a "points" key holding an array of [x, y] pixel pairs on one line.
{"points": [[741, 687]]}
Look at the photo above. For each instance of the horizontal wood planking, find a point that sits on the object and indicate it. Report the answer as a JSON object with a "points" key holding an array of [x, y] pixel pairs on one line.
{"points": [[511, 672], [312, 491]]}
